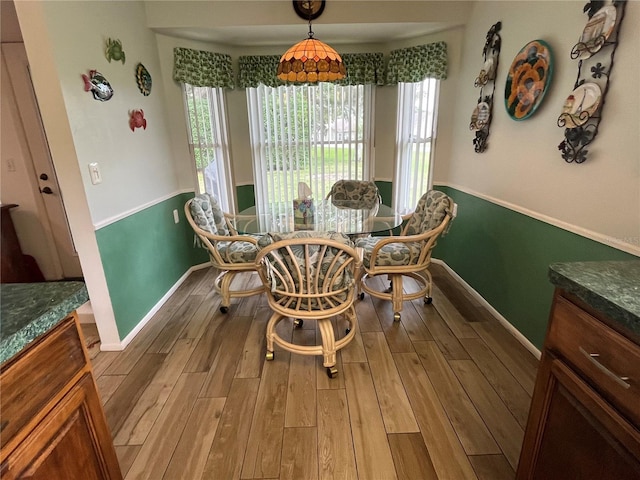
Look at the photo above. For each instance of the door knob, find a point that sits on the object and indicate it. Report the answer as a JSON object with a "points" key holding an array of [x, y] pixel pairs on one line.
{"points": [[46, 190], [44, 176]]}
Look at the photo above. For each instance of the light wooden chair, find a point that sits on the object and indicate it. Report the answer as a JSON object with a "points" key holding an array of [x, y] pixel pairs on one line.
{"points": [[309, 276], [408, 253], [229, 252]]}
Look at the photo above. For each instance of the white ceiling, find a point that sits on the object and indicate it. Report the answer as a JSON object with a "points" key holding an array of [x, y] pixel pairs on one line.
{"points": [[265, 35]]}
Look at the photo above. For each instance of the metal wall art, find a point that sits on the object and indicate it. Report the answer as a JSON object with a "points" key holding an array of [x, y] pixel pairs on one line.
{"points": [[137, 120], [582, 110], [481, 116], [143, 79], [97, 85], [113, 51]]}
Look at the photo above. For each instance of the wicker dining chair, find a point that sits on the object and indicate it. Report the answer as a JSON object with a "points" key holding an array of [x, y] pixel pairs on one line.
{"points": [[407, 254], [361, 194], [229, 252], [309, 276]]}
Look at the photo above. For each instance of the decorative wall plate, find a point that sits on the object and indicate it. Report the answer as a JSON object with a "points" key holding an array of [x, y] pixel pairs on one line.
{"points": [[581, 105], [486, 74], [480, 116], [528, 79], [143, 78], [596, 31]]}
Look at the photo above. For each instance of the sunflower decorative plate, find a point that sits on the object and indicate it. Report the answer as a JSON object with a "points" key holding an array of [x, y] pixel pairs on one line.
{"points": [[143, 78], [528, 79]]}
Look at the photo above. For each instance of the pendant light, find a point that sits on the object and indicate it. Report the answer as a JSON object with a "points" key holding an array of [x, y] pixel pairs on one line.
{"points": [[311, 61]]}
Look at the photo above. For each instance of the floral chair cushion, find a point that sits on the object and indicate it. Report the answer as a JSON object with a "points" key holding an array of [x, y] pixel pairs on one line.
{"points": [[430, 212], [354, 194], [237, 252], [208, 215], [313, 274], [394, 254]]}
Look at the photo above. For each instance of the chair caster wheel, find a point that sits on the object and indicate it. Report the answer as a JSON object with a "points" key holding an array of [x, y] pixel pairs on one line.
{"points": [[332, 372], [269, 356], [396, 317], [428, 300], [361, 296], [224, 309], [298, 322]]}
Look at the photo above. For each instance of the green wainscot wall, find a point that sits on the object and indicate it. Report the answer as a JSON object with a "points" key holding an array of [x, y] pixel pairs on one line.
{"points": [[143, 256], [504, 255]]}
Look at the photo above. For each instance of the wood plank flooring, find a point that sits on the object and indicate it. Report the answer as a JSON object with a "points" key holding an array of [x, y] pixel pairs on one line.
{"points": [[444, 394]]}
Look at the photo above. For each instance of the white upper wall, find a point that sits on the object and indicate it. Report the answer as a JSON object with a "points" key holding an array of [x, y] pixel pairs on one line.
{"points": [[522, 164], [137, 167]]}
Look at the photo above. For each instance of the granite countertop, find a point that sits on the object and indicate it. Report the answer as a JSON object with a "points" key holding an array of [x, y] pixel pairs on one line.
{"points": [[610, 287], [28, 310]]}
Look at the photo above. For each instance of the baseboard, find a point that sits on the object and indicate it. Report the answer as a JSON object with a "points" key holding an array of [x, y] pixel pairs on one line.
{"points": [[503, 321], [119, 346]]}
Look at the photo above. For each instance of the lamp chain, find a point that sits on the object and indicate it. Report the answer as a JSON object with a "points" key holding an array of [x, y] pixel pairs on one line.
{"points": [[310, 31]]}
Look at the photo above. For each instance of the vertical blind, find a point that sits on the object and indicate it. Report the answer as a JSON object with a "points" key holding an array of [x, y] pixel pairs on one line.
{"points": [[310, 135]]}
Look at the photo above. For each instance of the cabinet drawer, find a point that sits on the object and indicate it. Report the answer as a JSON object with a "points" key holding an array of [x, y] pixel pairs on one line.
{"points": [[607, 360], [37, 375]]}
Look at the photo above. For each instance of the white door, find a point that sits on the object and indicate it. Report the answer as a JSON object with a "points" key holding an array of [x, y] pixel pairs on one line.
{"points": [[40, 170]]}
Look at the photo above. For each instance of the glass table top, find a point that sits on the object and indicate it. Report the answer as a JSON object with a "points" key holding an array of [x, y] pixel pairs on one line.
{"points": [[322, 216]]}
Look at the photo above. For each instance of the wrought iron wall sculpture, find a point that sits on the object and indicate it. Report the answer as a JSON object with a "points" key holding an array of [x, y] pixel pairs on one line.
{"points": [[582, 112], [482, 114]]}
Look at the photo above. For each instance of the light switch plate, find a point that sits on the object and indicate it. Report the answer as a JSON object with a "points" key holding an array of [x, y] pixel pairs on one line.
{"points": [[96, 176], [176, 218]]}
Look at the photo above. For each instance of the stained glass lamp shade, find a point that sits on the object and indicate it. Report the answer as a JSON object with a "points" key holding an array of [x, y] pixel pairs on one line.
{"points": [[311, 61]]}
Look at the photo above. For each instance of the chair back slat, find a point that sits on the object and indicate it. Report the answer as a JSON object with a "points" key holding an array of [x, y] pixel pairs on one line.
{"points": [[308, 274]]}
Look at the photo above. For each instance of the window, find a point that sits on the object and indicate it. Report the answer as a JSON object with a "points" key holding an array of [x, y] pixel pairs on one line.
{"points": [[417, 113], [309, 135], [208, 142]]}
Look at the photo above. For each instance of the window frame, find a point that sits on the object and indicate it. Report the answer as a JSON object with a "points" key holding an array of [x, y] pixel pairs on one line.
{"points": [[403, 200], [218, 123]]}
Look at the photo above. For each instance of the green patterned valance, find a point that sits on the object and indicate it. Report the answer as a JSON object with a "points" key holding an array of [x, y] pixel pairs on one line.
{"points": [[362, 68], [256, 69], [414, 64], [202, 69]]}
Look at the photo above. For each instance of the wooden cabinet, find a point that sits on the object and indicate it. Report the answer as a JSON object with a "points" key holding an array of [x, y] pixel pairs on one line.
{"points": [[585, 411], [53, 424]]}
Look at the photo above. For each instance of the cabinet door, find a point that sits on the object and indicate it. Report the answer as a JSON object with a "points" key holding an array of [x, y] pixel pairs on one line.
{"points": [[67, 443], [581, 436]]}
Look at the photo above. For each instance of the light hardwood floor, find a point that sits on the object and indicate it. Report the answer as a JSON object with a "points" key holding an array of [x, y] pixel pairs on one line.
{"points": [[444, 394]]}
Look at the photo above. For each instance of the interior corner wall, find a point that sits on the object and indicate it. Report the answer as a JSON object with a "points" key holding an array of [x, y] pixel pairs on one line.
{"points": [[521, 206], [138, 245]]}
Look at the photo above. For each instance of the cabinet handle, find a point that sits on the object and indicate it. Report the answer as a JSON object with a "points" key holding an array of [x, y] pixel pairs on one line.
{"points": [[593, 358]]}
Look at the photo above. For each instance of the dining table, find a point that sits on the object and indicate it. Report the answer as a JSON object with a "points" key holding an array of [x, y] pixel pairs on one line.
{"points": [[321, 216]]}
